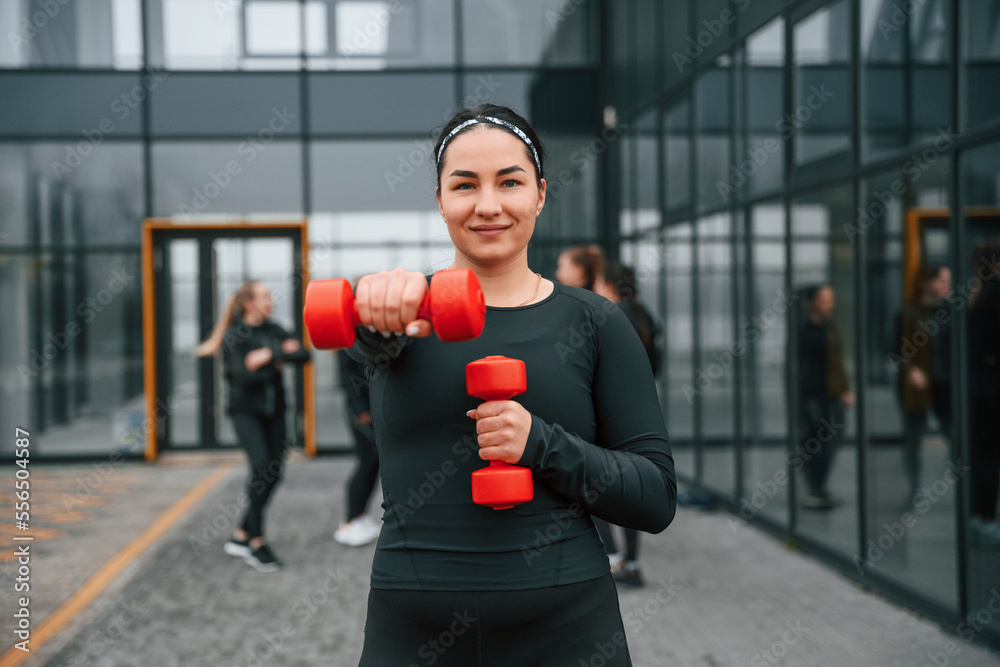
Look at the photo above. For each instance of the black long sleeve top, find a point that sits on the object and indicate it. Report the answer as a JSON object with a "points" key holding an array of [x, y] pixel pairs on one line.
{"points": [[597, 445], [259, 392]]}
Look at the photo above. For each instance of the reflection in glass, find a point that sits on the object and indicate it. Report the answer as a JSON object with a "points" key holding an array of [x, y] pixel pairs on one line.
{"points": [[712, 135], [825, 459], [98, 201], [765, 334], [820, 118], [529, 32], [762, 161], [679, 322], [227, 178], [71, 34], [647, 176], [911, 505], [904, 69], [981, 61], [373, 35], [677, 149], [715, 380]]}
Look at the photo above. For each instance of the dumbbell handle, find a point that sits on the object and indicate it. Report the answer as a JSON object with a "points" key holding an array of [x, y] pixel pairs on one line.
{"points": [[499, 485]]}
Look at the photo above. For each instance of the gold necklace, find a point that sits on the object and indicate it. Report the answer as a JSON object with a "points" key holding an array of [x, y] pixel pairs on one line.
{"points": [[537, 285]]}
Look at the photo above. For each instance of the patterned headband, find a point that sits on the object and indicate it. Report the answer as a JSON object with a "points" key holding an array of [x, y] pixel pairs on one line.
{"points": [[496, 121]]}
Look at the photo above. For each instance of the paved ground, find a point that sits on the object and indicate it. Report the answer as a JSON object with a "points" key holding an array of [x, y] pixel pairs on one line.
{"points": [[716, 595]]}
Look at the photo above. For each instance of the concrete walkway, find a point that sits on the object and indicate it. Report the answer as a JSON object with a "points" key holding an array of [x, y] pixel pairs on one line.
{"points": [[714, 596]]}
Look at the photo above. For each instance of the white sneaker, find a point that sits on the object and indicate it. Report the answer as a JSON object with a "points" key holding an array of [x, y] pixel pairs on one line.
{"points": [[616, 561], [358, 532]]}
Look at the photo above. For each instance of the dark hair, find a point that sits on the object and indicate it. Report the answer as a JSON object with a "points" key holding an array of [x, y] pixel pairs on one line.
{"points": [[233, 308], [622, 280], [500, 113], [810, 292], [590, 258]]}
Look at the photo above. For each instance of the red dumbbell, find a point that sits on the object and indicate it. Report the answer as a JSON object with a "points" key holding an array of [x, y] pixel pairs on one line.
{"points": [[454, 304], [500, 485]]}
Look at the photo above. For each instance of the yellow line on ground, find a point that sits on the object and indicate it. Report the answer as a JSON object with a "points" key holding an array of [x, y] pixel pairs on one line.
{"points": [[61, 617]]}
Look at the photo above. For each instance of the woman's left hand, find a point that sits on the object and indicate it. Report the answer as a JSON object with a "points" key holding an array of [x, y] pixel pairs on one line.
{"points": [[290, 345], [502, 427]]}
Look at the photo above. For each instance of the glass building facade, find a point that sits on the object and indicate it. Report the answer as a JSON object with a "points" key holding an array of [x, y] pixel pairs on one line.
{"points": [[736, 154]]}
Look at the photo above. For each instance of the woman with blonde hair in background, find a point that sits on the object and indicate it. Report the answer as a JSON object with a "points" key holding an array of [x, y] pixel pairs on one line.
{"points": [[254, 350]]}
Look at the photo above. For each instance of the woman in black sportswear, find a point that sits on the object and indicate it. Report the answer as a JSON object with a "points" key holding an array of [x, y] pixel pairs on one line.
{"points": [[454, 583], [254, 351]]}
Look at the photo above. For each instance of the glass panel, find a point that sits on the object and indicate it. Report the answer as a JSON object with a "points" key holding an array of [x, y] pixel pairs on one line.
{"points": [[712, 134], [100, 33], [677, 146], [510, 89], [571, 186], [826, 457], [77, 363], [904, 51], [679, 322], [646, 42], [626, 175], [715, 380], [761, 165], [55, 196], [911, 504], [765, 332], [980, 285], [367, 200], [681, 61], [96, 106], [263, 106], [185, 399], [647, 175], [821, 118], [981, 62], [370, 103], [367, 35], [529, 32], [258, 175]]}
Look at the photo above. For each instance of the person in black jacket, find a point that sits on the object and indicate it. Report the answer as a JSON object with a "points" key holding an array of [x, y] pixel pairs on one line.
{"points": [[617, 284], [358, 529], [254, 351], [984, 392]]}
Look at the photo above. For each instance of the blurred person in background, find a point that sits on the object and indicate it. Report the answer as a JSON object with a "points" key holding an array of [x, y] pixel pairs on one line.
{"points": [[824, 393], [580, 266], [924, 370], [358, 528], [254, 350], [984, 378], [617, 284]]}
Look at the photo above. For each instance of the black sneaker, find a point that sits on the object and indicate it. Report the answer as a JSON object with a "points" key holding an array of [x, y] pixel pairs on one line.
{"points": [[237, 548], [263, 559]]}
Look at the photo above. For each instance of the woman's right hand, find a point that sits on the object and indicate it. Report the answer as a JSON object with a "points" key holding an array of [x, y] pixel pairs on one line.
{"points": [[388, 301]]}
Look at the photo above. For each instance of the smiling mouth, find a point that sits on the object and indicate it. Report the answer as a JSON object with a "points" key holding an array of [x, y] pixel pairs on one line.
{"points": [[490, 230]]}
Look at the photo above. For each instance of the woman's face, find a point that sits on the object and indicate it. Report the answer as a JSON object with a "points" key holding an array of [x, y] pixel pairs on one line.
{"points": [[261, 301], [822, 303], [570, 273], [489, 196]]}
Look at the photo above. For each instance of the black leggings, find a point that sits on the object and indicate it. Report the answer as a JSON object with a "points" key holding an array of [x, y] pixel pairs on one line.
{"points": [[359, 488], [264, 441], [557, 626]]}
